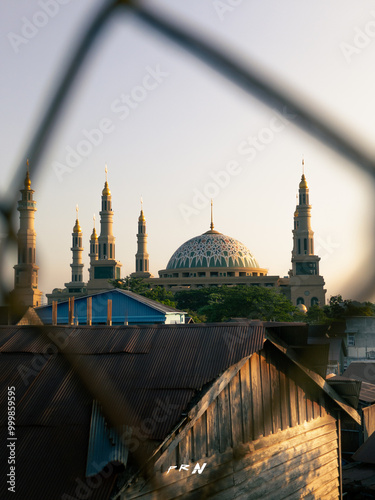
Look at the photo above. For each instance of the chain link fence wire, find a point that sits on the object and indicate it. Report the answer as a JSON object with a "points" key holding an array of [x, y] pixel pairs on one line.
{"points": [[246, 77]]}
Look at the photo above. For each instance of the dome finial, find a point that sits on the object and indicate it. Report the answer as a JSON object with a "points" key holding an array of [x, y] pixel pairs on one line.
{"points": [[77, 227], [94, 236], [106, 191], [27, 178], [212, 215], [141, 215], [303, 183]]}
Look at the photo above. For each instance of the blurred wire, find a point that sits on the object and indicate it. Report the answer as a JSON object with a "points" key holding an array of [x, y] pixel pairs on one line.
{"points": [[248, 78]]}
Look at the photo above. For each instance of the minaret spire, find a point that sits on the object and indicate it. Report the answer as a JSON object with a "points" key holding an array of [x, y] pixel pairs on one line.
{"points": [[305, 264], [212, 216], [76, 285], [26, 290], [104, 267], [142, 266]]}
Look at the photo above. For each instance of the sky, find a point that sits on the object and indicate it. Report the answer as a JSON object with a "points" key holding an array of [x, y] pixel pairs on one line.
{"points": [[177, 133]]}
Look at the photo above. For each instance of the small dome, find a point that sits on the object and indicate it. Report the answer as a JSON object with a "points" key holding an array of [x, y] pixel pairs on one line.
{"points": [[94, 236], [212, 249], [77, 227], [302, 308], [106, 191], [303, 183], [141, 217]]}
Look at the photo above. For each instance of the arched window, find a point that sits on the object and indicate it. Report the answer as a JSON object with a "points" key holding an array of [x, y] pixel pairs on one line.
{"points": [[300, 300], [314, 301]]}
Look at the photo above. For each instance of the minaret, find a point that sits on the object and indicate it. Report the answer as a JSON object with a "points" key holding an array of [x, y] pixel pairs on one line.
{"points": [[76, 285], [26, 291], [94, 250], [307, 284], [141, 257], [105, 267]]}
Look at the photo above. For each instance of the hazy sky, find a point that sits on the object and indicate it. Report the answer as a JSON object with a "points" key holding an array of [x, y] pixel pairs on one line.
{"points": [[171, 126]]}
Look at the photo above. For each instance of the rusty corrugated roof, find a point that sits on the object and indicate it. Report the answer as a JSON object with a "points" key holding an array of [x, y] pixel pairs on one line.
{"points": [[143, 368]]}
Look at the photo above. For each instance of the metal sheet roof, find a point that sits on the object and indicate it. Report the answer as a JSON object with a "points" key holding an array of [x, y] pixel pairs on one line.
{"points": [[142, 370]]}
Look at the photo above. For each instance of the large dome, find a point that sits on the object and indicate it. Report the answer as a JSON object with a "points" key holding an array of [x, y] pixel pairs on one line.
{"points": [[212, 249]]}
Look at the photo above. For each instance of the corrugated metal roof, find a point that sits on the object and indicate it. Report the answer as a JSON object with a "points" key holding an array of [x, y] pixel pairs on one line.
{"points": [[367, 391], [143, 369]]}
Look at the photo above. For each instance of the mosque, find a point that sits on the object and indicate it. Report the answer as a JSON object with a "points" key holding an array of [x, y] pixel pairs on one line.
{"points": [[211, 259]]}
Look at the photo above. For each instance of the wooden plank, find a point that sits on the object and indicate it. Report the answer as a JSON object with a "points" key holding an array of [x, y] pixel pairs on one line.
{"points": [[225, 430], [275, 395], [200, 408], [246, 399], [184, 449], [284, 396], [200, 438], [295, 474], [235, 408], [327, 423], [256, 390], [314, 480], [368, 421], [301, 405], [283, 454], [266, 393], [309, 409], [293, 399], [292, 355], [213, 439], [294, 453]]}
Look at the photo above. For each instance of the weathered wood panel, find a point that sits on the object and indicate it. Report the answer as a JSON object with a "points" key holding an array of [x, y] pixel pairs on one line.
{"points": [[246, 403], [256, 391], [368, 421], [236, 409], [266, 434]]}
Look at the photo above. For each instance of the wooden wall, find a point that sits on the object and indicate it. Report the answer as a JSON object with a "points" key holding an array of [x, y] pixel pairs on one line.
{"points": [[266, 435]]}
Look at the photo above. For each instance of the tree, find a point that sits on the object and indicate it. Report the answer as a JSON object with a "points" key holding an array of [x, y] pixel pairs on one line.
{"points": [[137, 285], [246, 302]]}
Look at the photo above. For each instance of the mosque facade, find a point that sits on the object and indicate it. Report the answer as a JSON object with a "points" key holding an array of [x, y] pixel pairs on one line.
{"points": [[210, 259]]}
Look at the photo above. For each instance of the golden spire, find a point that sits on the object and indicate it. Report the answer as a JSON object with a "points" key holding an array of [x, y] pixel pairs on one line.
{"points": [[106, 191], [212, 216], [303, 183], [77, 227], [141, 216], [27, 178], [94, 236]]}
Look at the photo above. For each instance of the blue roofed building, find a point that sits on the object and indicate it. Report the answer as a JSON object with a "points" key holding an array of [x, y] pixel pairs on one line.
{"points": [[125, 307]]}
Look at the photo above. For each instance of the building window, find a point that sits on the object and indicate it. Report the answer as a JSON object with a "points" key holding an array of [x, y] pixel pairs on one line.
{"points": [[141, 265], [110, 250], [305, 245], [351, 340], [300, 300], [104, 250], [299, 246], [314, 301]]}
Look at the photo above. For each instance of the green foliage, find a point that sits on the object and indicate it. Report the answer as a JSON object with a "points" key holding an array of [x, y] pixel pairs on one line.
{"points": [[223, 303], [137, 285], [339, 308]]}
